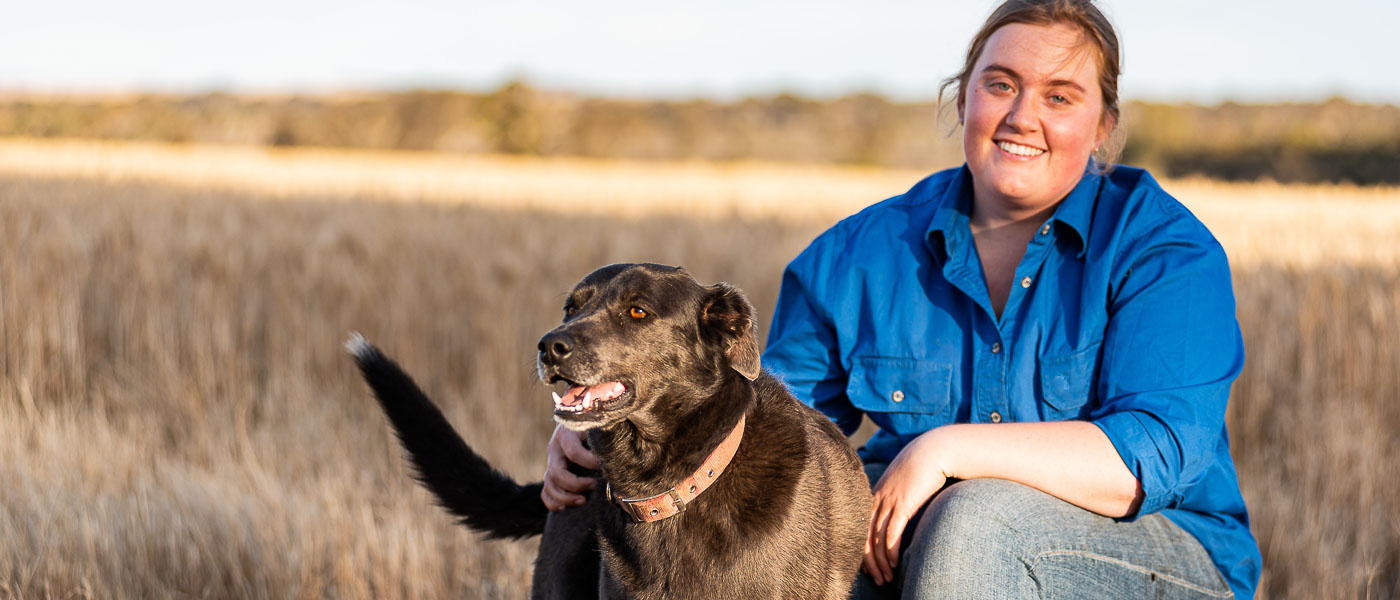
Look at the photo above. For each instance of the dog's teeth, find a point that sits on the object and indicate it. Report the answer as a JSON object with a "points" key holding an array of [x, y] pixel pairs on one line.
{"points": [[557, 399]]}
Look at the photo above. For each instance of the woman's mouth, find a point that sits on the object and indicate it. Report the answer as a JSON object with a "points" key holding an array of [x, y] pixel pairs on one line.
{"points": [[1019, 150]]}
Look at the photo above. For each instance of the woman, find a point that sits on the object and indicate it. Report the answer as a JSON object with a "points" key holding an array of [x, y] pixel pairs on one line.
{"points": [[1046, 347]]}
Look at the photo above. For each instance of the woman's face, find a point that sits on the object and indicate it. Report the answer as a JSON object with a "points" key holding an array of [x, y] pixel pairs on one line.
{"points": [[1032, 115]]}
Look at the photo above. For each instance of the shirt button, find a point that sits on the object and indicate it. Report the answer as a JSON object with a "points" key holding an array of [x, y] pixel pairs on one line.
{"points": [[1046, 229], [996, 348], [897, 396], [996, 417], [1026, 282]]}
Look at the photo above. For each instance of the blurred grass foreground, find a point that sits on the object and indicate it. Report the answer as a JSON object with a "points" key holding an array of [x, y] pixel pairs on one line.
{"points": [[177, 417]]}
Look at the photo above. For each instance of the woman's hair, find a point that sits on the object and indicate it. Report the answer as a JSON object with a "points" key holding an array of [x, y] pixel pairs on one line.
{"points": [[1081, 13]]}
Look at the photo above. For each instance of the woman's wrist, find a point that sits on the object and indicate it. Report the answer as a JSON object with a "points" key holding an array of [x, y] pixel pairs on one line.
{"points": [[941, 445], [1071, 460]]}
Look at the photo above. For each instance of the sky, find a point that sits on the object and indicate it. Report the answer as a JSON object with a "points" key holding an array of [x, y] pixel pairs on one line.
{"points": [[1204, 51]]}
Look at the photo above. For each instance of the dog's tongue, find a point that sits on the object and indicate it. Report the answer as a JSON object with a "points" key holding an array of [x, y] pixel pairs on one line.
{"points": [[590, 395]]}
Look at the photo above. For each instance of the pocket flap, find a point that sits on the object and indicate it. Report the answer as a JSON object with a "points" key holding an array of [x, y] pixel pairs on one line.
{"points": [[1067, 380], [900, 385]]}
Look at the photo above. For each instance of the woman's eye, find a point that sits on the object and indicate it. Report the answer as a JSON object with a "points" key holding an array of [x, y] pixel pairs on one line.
{"points": [[1001, 86], [1058, 99], [637, 312]]}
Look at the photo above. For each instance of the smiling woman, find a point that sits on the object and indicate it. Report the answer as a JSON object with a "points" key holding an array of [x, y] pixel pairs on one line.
{"points": [[1046, 345]]}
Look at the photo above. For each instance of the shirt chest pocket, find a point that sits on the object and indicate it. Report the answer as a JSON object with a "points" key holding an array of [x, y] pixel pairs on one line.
{"points": [[901, 395], [1067, 384]]}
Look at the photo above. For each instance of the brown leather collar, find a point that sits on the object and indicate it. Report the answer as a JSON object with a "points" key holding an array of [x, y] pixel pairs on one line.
{"points": [[672, 502]]}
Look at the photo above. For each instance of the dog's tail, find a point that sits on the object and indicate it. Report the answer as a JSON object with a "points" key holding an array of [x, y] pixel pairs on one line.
{"points": [[483, 498]]}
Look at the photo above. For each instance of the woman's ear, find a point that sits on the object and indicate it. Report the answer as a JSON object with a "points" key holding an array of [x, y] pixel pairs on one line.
{"points": [[1105, 131]]}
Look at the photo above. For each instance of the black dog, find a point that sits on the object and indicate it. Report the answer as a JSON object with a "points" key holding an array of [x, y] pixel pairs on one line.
{"points": [[719, 484]]}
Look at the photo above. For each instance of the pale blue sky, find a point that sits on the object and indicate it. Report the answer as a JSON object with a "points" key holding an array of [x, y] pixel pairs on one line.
{"points": [[1200, 50]]}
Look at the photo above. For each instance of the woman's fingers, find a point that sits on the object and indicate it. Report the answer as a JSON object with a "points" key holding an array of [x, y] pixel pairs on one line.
{"points": [[877, 561], [882, 558], [562, 488], [894, 532], [571, 483], [556, 499], [867, 562], [572, 442]]}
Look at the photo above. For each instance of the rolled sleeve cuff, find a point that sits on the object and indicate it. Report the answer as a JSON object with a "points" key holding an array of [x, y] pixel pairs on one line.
{"points": [[1135, 444]]}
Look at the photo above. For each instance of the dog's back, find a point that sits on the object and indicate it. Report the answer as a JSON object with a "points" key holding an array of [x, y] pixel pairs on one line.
{"points": [[819, 536]]}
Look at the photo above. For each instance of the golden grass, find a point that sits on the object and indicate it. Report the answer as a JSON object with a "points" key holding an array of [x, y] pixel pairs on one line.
{"points": [[1257, 223], [564, 185], [177, 418]]}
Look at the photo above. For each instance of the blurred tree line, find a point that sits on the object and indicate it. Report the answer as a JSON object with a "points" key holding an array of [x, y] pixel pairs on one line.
{"points": [[1336, 141]]}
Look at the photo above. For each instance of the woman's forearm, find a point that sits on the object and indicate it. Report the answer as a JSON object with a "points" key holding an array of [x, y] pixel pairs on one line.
{"points": [[1071, 460]]}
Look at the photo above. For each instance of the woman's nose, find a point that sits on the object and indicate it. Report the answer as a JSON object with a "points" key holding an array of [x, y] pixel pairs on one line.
{"points": [[1022, 116]]}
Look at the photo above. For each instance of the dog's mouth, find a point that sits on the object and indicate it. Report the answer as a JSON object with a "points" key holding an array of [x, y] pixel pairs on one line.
{"points": [[584, 401]]}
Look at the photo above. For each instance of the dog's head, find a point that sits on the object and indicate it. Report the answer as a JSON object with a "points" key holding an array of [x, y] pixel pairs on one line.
{"points": [[645, 337]]}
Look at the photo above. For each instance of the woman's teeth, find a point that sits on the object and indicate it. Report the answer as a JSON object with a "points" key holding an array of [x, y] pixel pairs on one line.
{"points": [[1019, 150]]}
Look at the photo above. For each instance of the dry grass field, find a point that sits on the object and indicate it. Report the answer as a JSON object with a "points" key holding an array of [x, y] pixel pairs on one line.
{"points": [[177, 418]]}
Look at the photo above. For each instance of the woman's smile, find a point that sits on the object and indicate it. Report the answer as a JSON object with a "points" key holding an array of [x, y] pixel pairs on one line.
{"points": [[1020, 150]]}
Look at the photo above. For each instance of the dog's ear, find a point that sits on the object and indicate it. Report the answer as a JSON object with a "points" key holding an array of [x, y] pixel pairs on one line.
{"points": [[729, 314]]}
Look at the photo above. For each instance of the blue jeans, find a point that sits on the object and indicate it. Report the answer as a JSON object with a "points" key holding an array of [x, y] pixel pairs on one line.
{"points": [[991, 538]]}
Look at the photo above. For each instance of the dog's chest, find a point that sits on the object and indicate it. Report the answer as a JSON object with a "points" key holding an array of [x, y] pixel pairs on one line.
{"points": [[680, 558]]}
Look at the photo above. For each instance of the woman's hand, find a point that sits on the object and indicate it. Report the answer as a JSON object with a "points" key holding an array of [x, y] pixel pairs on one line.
{"points": [[562, 488], [915, 475], [1070, 460]]}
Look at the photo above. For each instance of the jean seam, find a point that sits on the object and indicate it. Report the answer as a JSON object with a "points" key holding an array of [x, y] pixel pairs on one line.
{"points": [[1127, 565]]}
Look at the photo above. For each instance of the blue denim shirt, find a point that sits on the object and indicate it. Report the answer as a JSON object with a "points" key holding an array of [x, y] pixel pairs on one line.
{"points": [[1121, 314]]}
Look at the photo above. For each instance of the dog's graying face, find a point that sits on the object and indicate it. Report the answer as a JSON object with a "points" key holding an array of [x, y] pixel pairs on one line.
{"points": [[639, 338]]}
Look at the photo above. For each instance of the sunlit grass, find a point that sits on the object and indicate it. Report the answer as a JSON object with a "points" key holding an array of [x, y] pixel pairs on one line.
{"points": [[1264, 223], [177, 417]]}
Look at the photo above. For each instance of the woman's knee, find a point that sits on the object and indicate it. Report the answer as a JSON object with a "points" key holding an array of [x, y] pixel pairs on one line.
{"points": [[973, 516], [976, 532]]}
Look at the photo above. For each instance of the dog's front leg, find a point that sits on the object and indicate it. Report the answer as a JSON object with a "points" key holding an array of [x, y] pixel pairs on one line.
{"points": [[567, 565], [609, 588]]}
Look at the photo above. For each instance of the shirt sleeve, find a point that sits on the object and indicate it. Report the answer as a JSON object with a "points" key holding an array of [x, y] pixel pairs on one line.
{"points": [[1172, 347], [803, 347]]}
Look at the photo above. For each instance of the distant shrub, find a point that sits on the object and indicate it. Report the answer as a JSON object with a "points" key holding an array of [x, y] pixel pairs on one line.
{"points": [[1336, 141]]}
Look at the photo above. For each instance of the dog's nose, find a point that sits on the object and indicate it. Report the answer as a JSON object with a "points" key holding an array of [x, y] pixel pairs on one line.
{"points": [[556, 345]]}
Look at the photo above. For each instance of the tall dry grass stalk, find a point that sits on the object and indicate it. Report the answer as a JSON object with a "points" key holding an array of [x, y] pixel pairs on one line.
{"points": [[177, 418]]}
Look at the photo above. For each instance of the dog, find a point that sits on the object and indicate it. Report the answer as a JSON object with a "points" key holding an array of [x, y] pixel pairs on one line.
{"points": [[714, 481]]}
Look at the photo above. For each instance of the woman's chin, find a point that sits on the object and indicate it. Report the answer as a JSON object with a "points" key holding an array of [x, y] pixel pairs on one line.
{"points": [[1023, 185], [1014, 183]]}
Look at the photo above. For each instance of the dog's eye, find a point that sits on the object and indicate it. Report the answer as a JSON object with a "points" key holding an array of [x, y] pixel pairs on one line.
{"points": [[637, 312], [570, 310]]}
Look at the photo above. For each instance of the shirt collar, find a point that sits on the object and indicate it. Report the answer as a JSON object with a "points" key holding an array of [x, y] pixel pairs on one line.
{"points": [[1077, 209], [952, 217], [951, 220]]}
